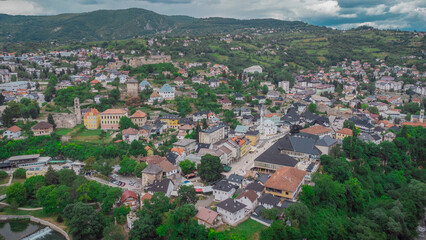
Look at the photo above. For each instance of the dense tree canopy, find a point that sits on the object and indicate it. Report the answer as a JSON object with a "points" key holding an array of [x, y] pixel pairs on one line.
{"points": [[210, 168]]}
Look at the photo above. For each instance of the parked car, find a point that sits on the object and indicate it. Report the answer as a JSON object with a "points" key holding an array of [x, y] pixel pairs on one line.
{"points": [[123, 184]]}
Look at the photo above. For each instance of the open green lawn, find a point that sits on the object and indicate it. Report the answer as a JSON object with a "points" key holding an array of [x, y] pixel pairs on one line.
{"points": [[87, 133], [4, 180], [249, 229], [63, 131], [19, 180]]}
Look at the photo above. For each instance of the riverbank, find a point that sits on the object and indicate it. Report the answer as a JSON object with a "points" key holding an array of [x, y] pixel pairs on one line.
{"points": [[36, 220]]}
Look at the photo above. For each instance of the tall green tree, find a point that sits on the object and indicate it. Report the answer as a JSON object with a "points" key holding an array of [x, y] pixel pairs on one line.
{"points": [[186, 195], [51, 120], [51, 176], [181, 224], [83, 221], [16, 193], [210, 168]]}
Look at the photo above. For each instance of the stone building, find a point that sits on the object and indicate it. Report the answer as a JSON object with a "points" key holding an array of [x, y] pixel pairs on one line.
{"points": [[132, 88], [151, 174], [69, 120]]}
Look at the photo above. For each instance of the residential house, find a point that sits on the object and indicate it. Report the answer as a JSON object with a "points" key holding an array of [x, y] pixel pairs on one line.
{"points": [[178, 81], [389, 136], [231, 211], [92, 119], [223, 190], [212, 134], [243, 145], [317, 130], [129, 135], [325, 144], [206, 217], [238, 97], [155, 97], [171, 120], [343, 133], [213, 83], [144, 85], [366, 137], [285, 85], [42, 128], [291, 118], [237, 180], [269, 201], [286, 182], [225, 102], [98, 98], [363, 123], [256, 187], [129, 199], [188, 145], [248, 198], [139, 118], [12, 132], [241, 130], [272, 95], [168, 169], [253, 137], [167, 92], [165, 186]]}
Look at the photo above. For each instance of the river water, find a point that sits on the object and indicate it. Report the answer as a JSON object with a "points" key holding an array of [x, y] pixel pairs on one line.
{"points": [[19, 229]]}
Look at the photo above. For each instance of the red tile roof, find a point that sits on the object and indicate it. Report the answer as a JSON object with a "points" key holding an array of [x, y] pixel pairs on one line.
{"points": [[286, 179], [316, 130], [127, 194], [138, 114], [345, 131], [92, 110], [14, 129]]}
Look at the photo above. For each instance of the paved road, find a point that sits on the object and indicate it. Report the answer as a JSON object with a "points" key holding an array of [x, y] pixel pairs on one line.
{"points": [[10, 179], [247, 162], [205, 203]]}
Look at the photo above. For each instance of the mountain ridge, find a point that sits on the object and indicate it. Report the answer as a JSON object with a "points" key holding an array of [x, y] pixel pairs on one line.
{"points": [[104, 25]]}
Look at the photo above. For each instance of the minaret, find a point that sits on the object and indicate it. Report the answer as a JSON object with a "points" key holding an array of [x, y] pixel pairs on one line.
{"points": [[77, 111], [262, 130]]}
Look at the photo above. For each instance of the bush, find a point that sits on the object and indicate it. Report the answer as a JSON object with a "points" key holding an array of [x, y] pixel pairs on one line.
{"points": [[3, 175], [20, 173]]}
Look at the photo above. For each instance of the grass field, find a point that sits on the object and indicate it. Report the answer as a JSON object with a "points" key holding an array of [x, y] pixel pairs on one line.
{"points": [[19, 180], [249, 229], [3, 190], [4, 180], [63, 131]]}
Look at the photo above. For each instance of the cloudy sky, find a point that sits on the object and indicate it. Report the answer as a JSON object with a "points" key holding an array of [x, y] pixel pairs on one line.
{"points": [[342, 14]]}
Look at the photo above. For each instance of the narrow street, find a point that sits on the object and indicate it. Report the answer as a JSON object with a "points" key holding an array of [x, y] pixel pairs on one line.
{"points": [[247, 162]]}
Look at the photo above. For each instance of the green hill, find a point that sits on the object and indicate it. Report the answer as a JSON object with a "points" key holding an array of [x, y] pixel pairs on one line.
{"points": [[122, 24]]}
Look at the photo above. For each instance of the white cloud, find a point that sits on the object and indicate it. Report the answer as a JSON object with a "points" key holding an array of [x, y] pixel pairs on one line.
{"points": [[377, 10], [19, 7], [324, 12]]}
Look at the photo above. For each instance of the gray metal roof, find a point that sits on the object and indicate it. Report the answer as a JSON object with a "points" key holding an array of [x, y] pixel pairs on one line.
{"points": [[230, 205]]}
